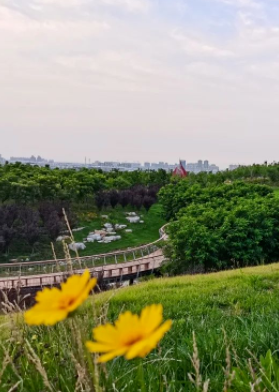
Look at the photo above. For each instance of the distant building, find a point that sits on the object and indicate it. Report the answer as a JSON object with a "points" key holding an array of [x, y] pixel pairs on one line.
{"points": [[2, 160], [180, 171], [201, 166], [183, 163], [32, 160]]}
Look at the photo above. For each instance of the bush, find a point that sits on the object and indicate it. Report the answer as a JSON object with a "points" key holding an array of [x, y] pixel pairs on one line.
{"points": [[240, 232]]}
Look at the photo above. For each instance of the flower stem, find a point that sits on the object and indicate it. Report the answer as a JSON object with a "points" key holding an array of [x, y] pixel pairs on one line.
{"points": [[141, 376]]}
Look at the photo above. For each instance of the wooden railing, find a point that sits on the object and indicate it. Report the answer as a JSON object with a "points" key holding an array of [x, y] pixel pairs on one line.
{"points": [[47, 267], [121, 272]]}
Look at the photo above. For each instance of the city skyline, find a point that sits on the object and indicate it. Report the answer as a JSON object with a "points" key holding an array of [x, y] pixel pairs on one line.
{"points": [[199, 165]]}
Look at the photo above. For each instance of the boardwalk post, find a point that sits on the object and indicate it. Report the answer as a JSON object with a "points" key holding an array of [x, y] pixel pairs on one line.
{"points": [[153, 265]]}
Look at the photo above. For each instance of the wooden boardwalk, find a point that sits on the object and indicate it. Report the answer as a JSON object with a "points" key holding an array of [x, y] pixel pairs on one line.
{"points": [[108, 273]]}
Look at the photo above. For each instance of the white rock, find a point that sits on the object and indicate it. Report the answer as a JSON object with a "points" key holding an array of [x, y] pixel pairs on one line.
{"points": [[109, 229], [141, 221], [107, 239], [128, 231], [105, 216], [107, 225], [133, 219], [90, 239], [74, 246], [78, 229], [131, 214], [62, 238], [96, 237]]}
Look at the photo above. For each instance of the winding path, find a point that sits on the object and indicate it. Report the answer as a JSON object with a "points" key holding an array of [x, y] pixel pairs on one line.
{"points": [[110, 267]]}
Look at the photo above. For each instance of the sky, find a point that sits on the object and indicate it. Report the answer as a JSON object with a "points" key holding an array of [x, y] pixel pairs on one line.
{"points": [[140, 80]]}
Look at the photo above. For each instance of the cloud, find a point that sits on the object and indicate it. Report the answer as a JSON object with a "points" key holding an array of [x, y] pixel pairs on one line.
{"points": [[195, 77], [199, 47], [15, 22], [253, 4], [130, 5]]}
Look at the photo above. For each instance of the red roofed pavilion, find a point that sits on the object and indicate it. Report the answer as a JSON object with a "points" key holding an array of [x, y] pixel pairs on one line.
{"points": [[180, 171]]}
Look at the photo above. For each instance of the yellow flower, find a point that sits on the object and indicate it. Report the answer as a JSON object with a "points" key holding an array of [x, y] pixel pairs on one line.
{"points": [[132, 335], [55, 304]]}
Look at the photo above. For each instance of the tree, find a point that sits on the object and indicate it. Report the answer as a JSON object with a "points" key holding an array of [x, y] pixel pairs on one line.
{"points": [[100, 200], [233, 233], [113, 198], [125, 198], [137, 201], [148, 201]]}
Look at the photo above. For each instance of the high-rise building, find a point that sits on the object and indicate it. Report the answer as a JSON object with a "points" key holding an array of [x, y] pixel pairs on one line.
{"points": [[183, 163]]}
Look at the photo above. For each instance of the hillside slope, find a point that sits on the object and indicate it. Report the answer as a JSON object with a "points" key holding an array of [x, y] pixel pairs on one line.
{"points": [[234, 314], [243, 303]]}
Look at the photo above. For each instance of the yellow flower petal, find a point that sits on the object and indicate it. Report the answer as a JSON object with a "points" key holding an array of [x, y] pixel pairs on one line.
{"points": [[151, 317], [143, 348], [111, 355], [131, 336], [97, 347], [54, 305], [105, 334], [39, 316]]}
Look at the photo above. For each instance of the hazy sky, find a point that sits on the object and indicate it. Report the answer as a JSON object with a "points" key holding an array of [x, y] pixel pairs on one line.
{"points": [[140, 79]]}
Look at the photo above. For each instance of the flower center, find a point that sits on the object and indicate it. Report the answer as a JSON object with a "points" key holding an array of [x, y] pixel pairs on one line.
{"points": [[66, 302], [132, 340]]}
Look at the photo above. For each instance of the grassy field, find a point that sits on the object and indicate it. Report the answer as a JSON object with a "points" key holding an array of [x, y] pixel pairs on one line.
{"points": [[91, 220], [234, 315], [143, 233]]}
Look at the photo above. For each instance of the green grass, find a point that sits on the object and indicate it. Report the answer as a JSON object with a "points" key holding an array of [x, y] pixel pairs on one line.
{"points": [[91, 220], [276, 191], [242, 305], [143, 233]]}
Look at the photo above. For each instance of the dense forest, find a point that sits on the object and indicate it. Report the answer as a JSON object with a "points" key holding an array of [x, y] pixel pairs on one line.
{"points": [[213, 212]]}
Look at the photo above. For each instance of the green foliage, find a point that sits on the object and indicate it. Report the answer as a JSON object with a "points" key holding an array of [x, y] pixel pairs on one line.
{"points": [[182, 193], [28, 184], [238, 233], [258, 376], [219, 226]]}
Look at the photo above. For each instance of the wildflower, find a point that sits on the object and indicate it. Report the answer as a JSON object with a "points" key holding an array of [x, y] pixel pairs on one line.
{"points": [[132, 335], [54, 305]]}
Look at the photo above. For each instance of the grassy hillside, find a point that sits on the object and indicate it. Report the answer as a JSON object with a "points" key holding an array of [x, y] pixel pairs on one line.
{"points": [[235, 311], [92, 220], [243, 303]]}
